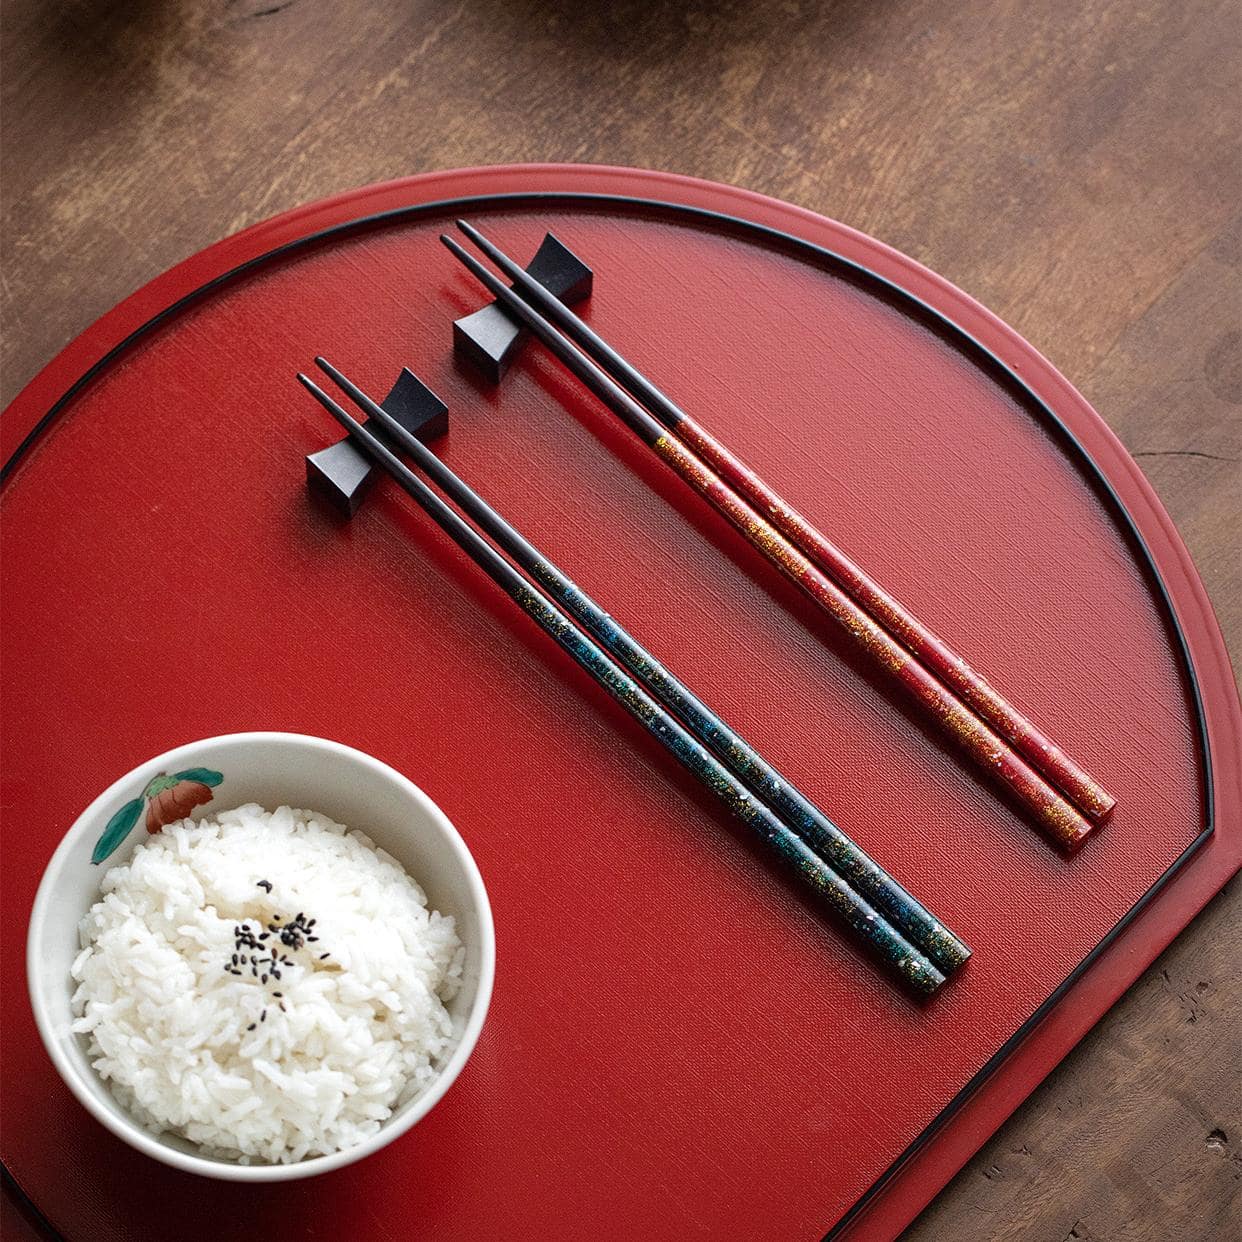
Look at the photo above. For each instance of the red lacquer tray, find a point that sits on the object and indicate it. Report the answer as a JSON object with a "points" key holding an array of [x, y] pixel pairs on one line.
{"points": [[677, 1047]]}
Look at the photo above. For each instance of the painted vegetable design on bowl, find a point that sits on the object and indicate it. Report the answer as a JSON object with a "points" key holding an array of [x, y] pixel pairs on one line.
{"points": [[166, 798]]}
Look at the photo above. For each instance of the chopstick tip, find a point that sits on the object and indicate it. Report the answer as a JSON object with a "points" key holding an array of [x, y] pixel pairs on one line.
{"points": [[312, 388], [329, 370], [461, 253]]}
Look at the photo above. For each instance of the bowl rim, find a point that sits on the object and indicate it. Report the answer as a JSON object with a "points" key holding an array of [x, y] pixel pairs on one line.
{"points": [[129, 1130]]}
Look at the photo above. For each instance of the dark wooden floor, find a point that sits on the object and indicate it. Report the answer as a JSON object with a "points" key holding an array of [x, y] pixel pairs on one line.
{"points": [[1075, 165]]}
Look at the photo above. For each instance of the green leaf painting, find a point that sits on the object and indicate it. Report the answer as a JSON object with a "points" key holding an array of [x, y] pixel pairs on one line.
{"points": [[119, 827], [157, 784], [204, 776]]}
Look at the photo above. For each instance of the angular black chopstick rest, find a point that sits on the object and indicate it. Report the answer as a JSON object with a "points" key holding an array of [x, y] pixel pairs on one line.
{"points": [[341, 473], [489, 338]]}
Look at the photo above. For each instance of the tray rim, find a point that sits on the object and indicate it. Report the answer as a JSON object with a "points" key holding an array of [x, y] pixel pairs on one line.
{"points": [[944, 1145]]}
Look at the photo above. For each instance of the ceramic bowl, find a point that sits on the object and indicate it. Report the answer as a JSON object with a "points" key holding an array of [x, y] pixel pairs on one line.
{"points": [[271, 769]]}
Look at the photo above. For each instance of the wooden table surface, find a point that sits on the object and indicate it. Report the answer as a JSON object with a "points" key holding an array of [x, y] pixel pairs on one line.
{"points": [[1075, 165]]}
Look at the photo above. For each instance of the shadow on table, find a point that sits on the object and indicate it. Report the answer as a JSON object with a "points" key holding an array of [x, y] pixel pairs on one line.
{"points": [[658, 31]]}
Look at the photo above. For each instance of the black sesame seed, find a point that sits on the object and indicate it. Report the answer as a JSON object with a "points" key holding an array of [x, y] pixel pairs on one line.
{"points": [[252, 1026], [263, 1016], [282, 1007], [278, 994], [323, 955]]}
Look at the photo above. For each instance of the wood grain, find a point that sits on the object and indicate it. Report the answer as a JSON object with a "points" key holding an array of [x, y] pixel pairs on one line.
{"points": [[1077, 167]]}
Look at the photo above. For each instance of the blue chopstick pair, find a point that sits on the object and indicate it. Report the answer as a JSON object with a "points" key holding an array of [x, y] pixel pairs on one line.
{"points": [[910, 942]]}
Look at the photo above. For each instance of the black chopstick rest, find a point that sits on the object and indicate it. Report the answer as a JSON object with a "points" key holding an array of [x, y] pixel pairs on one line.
{"points": [[341, 473], [488, 339]]}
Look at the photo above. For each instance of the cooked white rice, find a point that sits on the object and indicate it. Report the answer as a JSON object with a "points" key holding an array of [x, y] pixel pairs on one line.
{"points": [[180, 1037]]}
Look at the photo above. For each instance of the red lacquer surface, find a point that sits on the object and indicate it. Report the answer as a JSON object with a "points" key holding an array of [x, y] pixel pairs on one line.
{"points": [[676, 1047]]}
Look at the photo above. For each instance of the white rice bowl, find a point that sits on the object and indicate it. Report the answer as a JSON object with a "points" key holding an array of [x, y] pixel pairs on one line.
{"points": [[196, 1044]]}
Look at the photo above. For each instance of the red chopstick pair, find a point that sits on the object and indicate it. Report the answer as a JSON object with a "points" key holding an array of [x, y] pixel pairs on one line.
{"points": [[1064, 800]]}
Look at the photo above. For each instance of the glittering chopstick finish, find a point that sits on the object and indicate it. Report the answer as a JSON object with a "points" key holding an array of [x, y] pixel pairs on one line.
{"points": [[1043, 755], [833, 893], [919, 926], [1060, 820]]}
